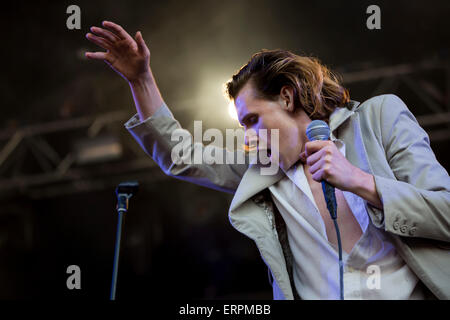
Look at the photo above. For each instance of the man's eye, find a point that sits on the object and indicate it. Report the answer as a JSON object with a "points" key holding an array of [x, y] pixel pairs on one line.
{"points": [[249, 121], [253, 120]]}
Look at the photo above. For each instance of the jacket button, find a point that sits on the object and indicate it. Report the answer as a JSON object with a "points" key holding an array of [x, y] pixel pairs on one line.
{"points": [[412, 231], [404, 228], [396, 225]]}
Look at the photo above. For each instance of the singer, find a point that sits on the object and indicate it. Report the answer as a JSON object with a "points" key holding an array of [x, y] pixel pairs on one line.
{"points": [[393, 197]]}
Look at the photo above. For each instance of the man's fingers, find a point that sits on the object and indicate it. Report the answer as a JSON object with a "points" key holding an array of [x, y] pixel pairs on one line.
{"points": [[311, 159], [318, 175], [142, 47], [105, 44], [111, 37], [316, 166], [117, 30], [96, 55], [314, 146]]}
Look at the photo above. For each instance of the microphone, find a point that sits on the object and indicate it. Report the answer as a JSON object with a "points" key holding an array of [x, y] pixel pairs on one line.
{"points": [[124, 191], [319, 130]]}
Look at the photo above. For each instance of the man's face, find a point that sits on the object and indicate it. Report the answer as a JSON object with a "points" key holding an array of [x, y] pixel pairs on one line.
{"points": [[255, 113]]}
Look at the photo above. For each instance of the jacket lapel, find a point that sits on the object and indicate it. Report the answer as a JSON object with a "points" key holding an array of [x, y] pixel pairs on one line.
{"points": [[253, 182], [340, 115]]}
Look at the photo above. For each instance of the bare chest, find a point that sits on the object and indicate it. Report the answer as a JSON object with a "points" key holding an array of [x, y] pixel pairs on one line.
{"points": [[349, 227]]}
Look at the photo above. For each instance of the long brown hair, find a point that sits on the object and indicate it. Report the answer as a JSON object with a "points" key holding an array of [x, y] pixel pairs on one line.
{"points": [[317, 90]]}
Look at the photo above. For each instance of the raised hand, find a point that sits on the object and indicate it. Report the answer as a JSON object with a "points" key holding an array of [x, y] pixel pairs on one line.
{"points": [[127, 56]]}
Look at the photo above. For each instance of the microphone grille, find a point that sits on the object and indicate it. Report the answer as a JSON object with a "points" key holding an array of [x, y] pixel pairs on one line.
{"points": [[318, 130]]}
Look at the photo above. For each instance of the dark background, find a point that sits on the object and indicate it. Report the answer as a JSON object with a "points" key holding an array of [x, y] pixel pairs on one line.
{"points": [[177, 240]]}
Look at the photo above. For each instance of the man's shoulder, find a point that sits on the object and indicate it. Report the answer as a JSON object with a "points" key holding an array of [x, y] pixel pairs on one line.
{"points": [[380, 106], [377, 102]]}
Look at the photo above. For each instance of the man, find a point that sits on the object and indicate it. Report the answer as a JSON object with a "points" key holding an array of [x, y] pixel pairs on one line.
{"points": [[393, 196]]}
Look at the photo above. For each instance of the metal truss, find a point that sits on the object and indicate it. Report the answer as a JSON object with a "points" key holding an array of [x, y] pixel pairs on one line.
{"points": [[434, 99], [56, 172]]}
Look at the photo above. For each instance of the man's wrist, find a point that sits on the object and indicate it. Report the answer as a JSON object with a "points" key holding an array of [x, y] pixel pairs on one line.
{"points": [[365, 187], [142, 80], [146, 95]]}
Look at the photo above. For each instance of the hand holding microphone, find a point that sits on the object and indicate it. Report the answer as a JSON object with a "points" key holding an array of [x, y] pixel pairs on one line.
{"points": [[319, 131], [325, 161]]}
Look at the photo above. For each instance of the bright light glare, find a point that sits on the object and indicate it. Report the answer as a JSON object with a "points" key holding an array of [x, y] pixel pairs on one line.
{"points": [[232, 111]]}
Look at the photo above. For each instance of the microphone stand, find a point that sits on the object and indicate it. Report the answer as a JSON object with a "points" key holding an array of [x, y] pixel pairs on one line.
{"points": [[124, 192]]}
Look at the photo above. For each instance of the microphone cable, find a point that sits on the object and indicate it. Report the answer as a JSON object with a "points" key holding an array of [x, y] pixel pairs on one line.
{"points": [[319, 130], [330, 199]]}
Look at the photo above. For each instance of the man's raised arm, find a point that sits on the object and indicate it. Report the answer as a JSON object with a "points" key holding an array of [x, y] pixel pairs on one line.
{"points": [[131, 59], [154, 125]]}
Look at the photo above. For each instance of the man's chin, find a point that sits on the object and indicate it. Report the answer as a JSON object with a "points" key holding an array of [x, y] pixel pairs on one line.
{"points": [[275, 158]]}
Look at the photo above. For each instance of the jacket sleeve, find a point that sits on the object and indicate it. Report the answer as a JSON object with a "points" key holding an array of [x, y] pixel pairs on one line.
{"points": [[417, 204], [156, 137]]}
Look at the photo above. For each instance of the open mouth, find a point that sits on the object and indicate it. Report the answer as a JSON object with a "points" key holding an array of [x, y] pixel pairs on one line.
{"points": [[268, 152]]}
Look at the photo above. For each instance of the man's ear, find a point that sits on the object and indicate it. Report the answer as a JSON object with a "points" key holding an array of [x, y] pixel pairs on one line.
{"points": [[287, 98]]}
